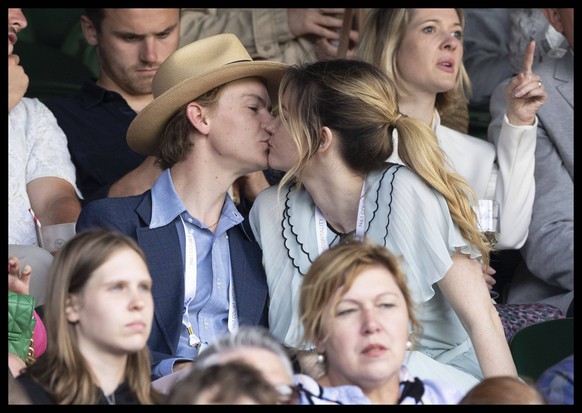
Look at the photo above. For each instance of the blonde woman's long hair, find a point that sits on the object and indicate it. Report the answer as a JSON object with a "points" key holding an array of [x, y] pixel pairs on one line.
{"points": [[359, 102]]}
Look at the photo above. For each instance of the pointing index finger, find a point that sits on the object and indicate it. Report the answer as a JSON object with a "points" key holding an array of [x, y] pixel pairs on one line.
{"points": [[528, 57]]}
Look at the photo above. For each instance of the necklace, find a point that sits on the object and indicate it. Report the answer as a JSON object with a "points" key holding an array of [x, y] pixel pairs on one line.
{"points": [[110, 399], [344, 237], [210, 226]]}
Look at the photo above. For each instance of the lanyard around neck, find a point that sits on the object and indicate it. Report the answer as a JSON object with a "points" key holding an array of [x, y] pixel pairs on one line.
{"points": [[190, 275], [191, 272]]}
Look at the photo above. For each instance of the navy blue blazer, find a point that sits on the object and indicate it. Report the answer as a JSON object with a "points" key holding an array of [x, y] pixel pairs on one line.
{"points": [[132, 216]]}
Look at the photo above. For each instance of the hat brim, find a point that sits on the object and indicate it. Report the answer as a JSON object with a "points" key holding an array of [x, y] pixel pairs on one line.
{"points": [[145, 131]]}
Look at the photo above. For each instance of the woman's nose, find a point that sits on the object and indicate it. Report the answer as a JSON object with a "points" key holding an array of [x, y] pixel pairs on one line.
{"points": [[450, 42], [370, 322], [137, 299]]}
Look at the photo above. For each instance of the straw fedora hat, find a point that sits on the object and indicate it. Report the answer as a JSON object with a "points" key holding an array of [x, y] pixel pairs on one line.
{"points": [[191, 71]]}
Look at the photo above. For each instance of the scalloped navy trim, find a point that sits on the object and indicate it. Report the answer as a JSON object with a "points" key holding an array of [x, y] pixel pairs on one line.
{"points": [[285, 218], [385, 237]]}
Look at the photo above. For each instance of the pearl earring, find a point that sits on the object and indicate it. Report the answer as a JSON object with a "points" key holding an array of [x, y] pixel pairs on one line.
{"points": [[320, 358], [408, 344]]}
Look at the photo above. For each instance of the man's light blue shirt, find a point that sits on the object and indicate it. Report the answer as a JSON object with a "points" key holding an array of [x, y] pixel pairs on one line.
{"points": [[208, 312]]}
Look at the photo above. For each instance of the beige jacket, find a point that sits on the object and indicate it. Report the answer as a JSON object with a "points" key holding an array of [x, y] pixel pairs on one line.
{"points": [[264, 32]]}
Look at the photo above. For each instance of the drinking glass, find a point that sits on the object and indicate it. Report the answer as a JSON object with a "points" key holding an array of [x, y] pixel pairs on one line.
{"points": [[487, 211]]}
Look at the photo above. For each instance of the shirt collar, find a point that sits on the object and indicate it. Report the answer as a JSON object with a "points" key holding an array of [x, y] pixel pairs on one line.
{"points": [[167, 204], [93, 94]]}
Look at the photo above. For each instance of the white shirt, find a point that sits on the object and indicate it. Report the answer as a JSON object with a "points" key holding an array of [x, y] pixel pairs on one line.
{"points": [[37, 147]]}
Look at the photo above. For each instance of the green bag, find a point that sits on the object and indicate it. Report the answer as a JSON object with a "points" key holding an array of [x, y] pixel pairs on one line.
{"points": [[21, 324]]}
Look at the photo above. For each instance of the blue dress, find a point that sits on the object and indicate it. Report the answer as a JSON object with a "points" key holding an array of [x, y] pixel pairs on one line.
{"points": [[397, 207]]}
